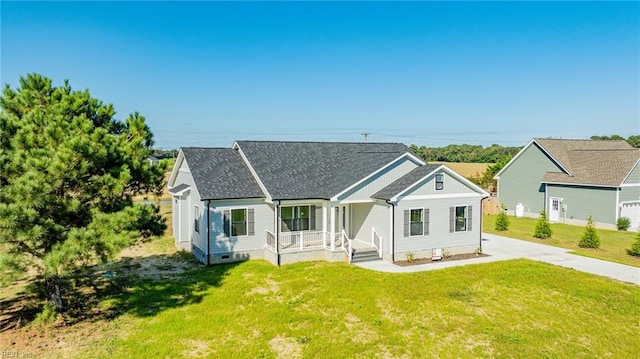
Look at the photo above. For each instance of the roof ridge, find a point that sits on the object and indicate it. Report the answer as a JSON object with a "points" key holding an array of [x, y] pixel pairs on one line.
{"points": [[327, 142], [604, 149], [576, 139]]}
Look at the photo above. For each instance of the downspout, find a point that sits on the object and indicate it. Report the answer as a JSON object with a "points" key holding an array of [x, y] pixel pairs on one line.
{"points": [[277, 228], [208, 233], [393, 232]]}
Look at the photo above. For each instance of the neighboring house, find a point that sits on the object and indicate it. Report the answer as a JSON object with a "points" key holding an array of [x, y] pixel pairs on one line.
{"points": [[294, 201], [573, 179], [153, 160]]}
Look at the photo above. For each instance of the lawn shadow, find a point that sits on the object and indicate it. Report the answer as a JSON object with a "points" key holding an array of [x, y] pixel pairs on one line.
{"points": [[143, 286]]}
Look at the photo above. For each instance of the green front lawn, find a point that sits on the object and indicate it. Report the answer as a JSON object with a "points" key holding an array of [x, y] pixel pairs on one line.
{"points": [[332, 310], [613, 244]]}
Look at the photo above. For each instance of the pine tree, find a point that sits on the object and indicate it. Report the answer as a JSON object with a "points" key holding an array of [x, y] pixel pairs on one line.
{"points": [[543, 228], [635, 247], [68, 173], [590, 238], [502, 221]]}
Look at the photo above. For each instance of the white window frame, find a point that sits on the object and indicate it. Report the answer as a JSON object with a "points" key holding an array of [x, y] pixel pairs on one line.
{"points": [[441, 182], [455, 218], [282, 229], [246, 221], [421, 222], [196, 218]]}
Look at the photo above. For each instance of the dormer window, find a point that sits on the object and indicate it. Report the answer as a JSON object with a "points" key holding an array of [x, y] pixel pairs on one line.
{"points": [[439, 182]]}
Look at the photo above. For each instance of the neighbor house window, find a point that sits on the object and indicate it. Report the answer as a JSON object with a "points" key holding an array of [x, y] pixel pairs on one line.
{"points": [[196, 219], [439, 182], [239, 222], [295, 218], [416, 222], [460, 218]]}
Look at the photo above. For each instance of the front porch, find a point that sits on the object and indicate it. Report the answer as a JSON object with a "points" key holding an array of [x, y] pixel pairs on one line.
{"points": [[323, 241]]}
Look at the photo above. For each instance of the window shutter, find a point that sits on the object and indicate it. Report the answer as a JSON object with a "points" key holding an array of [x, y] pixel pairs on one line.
{"points": [[407, 222], [469, 217], [250, 222], [312, 218], [227, 222], [452, 219], [425, 222]]}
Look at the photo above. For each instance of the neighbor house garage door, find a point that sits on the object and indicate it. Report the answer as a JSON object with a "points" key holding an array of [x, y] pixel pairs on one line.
{"points": [[631, 210]]}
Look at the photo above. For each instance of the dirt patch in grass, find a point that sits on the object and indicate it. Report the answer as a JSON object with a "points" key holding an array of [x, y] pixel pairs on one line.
{"points": [[286, 348], [455, 257]]}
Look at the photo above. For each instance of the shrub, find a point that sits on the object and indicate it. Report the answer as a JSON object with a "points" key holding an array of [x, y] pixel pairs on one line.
{"points": [[411, 257], [590, 238], [543, 228], [623, 223], [502, 221], [635, 247]]}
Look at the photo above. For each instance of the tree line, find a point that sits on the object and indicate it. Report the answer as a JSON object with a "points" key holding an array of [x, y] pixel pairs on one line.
{"points": [[465, 153]]}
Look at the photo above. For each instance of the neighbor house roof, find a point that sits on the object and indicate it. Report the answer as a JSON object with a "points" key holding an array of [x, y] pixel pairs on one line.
{"points": [[405, 181], [220, 173], [293, 170], [596, 167], [585, 162]]}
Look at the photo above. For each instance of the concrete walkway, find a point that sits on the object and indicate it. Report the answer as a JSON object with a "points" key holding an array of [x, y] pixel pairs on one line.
{"points": [[502, 248]]}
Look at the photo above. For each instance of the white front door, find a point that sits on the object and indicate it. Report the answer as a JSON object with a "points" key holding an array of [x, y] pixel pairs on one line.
{"points": [[554, 209]]}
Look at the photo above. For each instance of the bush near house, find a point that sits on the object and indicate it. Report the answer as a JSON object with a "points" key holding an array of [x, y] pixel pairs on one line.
{"points": [[623, 223], [502, 222]]}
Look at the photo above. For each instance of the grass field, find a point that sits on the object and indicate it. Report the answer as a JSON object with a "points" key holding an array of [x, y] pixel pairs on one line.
{"points": [[467, 169], [328, 310], [613, 244]]}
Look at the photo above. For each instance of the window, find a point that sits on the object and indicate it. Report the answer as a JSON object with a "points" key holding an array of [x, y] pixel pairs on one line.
{"points": [[439, 181], [196, 219], [461, 219], [416, 222], [239, 222], [295, 218]]}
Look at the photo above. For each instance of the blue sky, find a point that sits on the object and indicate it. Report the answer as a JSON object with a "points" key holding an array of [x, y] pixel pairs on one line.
{"points": [[428, 73]]}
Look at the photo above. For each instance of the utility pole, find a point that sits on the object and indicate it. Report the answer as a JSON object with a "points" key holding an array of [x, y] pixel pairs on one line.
{"points": [[365, 134]]}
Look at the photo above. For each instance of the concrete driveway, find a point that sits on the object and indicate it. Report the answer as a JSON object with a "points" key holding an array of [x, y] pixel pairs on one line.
{"points": [[503, 248]]}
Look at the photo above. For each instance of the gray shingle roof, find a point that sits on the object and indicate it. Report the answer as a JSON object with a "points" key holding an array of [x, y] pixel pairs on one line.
{"points": [[292, 170], [590, 162], [220, 173], [405, 181]]}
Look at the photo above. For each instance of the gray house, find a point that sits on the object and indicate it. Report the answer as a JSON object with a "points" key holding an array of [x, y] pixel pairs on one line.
{"points": [[295, 201], [572, 179]]}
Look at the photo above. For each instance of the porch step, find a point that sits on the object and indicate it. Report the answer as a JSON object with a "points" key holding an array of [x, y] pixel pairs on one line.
{"points": [[365, 255]]}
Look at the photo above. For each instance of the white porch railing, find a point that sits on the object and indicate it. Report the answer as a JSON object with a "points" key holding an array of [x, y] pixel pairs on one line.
{"points": [[376, 241], [271, 240], [347, 245], [298, 240]]}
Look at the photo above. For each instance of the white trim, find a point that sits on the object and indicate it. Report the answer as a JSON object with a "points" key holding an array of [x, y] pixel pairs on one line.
{"points": [[406, 154], [630, 185], [497, 176], [466, 217], [296, 202], [581, 184], [246, 221], [629, 174], [196, 213], [236, 147], [176, 167], [450, 172], [440, 196], [356, 201], [617, 207], [391, 228], [435, 182]]}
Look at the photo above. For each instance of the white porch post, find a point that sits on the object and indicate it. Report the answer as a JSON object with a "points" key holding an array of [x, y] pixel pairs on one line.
{"points": [[332, 233], [324, 225]]}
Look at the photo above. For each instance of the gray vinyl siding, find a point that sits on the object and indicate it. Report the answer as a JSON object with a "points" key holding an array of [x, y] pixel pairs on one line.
{"points": [[187, 229], [634, 176], [439, 235], [584, 201], [365, 216], [428, 187], [263, 221], [630, 194], [185, 218], [176, 218], [520, 182], [364, 190]]}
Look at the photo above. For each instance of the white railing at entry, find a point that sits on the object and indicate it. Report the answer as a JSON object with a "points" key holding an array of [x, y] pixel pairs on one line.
{"points": [[376, 241], [302, 240], [348, 246]]}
